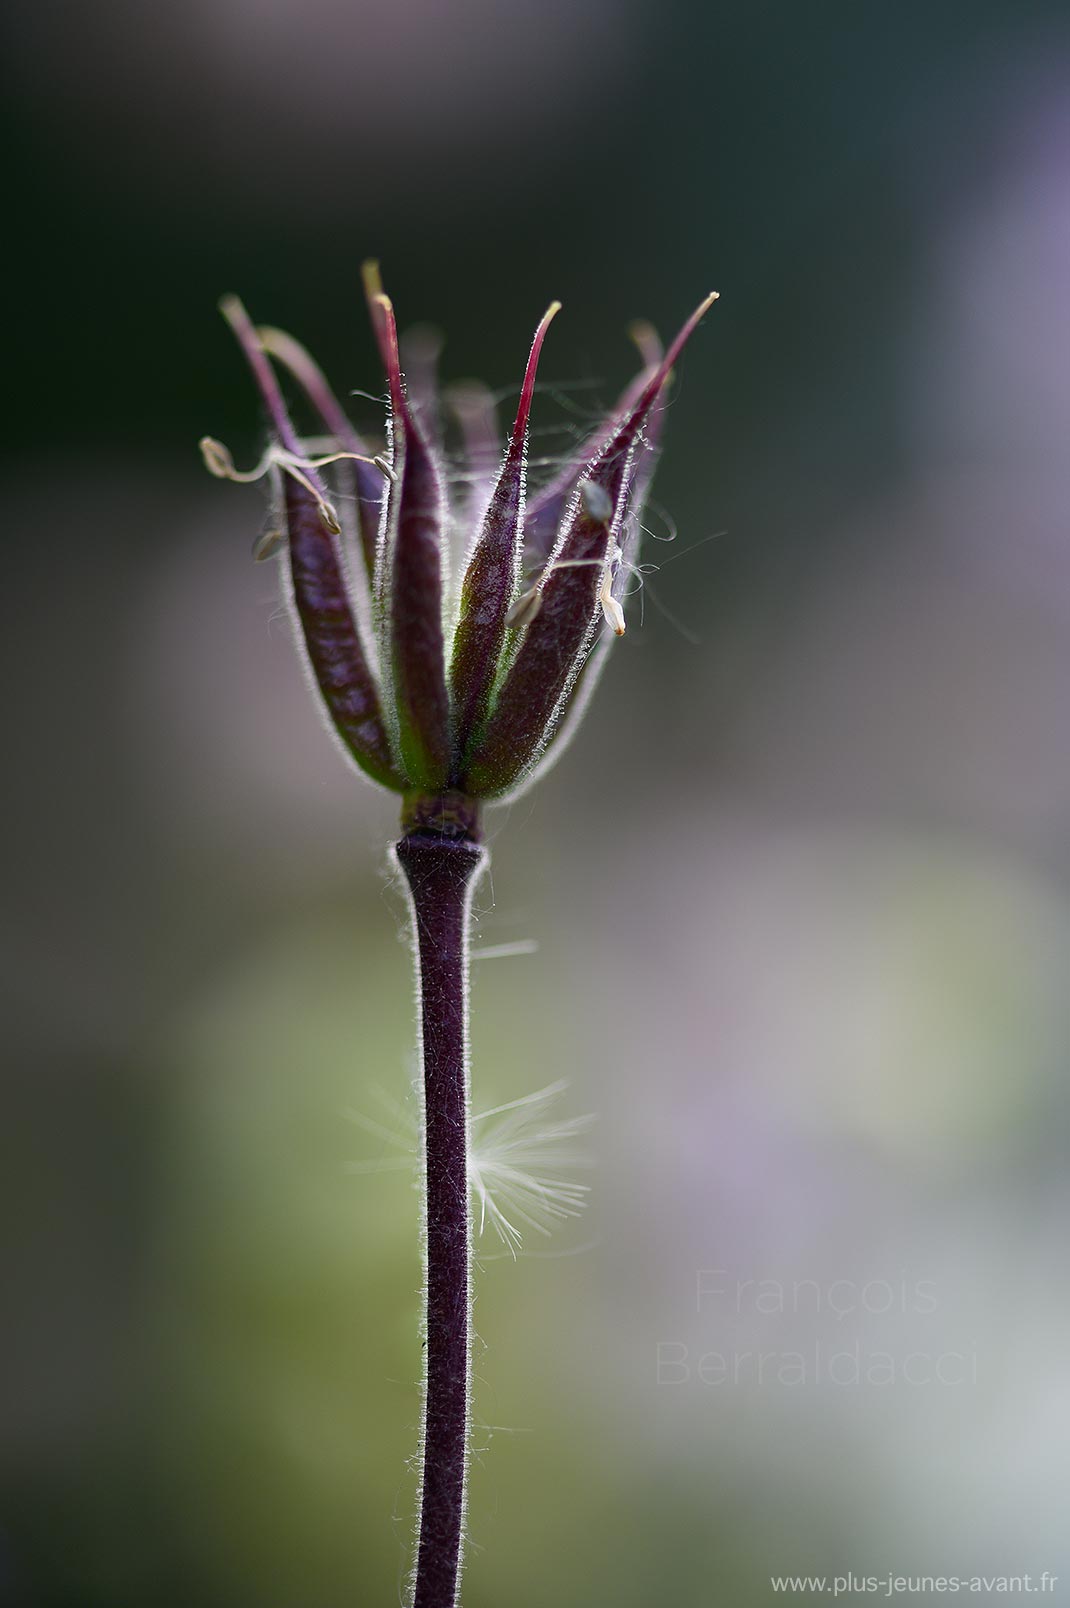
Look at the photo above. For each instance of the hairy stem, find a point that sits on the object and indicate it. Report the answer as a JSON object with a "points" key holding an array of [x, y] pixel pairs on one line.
{"points": [[441, 869]]}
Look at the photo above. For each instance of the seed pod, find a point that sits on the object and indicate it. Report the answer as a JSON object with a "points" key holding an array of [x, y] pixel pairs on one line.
{"points": [[493, 574], [559, 637], [332, 640], [521, 666], [412, 581]]}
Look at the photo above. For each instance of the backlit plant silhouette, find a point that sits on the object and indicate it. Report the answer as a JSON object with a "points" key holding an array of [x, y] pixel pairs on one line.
{"points": [[448, 704]]}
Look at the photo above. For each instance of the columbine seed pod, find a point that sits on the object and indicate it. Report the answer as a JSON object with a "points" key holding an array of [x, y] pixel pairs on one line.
{"points": [[448, 714], [561, 634], [463, 711], [493, 574]]}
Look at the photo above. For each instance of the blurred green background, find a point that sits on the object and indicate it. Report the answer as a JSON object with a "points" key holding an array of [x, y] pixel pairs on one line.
{"points": [[800, 892]]}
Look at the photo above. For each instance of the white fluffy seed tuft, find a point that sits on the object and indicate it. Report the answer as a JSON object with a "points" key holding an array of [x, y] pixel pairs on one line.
{"points": [[519, 1162]]}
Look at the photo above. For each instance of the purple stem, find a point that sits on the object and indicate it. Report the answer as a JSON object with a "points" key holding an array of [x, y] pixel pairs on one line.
{"points": [[441, 870]]}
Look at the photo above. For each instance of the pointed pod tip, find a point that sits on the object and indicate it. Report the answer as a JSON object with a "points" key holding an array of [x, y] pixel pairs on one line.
{"points": [[276, 342], [543, 325], [468, 398], [385, 327], [527, 390], [645, 338], [424, 343], [380, 311], [373, 279], [233, 309], [248, 338], [700, 312], [380, 307], [665, 367], [241, 325]]}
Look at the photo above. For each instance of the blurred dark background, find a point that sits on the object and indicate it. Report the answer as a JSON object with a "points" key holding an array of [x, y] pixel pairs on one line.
{"points": [[800, 892]]}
